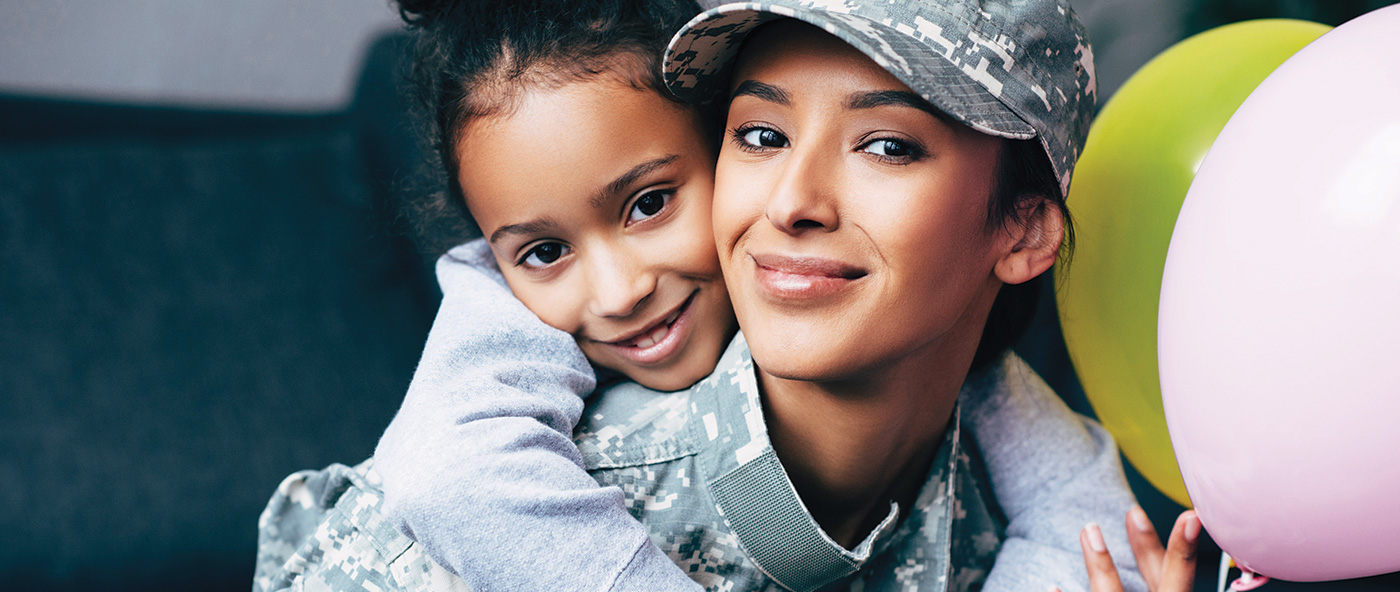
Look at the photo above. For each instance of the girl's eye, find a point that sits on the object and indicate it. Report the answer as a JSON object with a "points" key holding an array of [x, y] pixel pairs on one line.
{"points": [[544, 254], [649, 204], [762, 137]]}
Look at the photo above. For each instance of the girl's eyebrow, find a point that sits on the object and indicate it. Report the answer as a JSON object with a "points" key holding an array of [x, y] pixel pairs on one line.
{"points": [[536, 226], [618, 185], [625, 180], [762, 91], [896, 98]]}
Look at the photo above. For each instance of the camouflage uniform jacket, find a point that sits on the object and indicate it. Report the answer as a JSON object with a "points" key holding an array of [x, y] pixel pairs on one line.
{"points": [[697, 468]]}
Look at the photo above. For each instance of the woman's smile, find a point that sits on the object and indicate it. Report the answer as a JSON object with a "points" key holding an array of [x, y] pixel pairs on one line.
{"points": [[800, 278]]}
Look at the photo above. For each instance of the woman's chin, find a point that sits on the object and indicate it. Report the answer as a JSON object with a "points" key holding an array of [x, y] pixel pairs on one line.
{"points": [[804, 362]]}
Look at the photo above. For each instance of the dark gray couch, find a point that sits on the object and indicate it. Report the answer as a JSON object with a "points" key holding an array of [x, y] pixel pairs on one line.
{"points": [[192, 305]]}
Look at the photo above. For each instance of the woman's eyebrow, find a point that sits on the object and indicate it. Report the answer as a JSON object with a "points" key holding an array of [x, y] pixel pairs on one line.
{"points": [[759, 90], [625, 180], [537, 226], [895, 98]]}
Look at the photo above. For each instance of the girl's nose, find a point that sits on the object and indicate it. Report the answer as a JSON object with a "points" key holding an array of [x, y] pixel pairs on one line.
{"points": [[621, 283]]}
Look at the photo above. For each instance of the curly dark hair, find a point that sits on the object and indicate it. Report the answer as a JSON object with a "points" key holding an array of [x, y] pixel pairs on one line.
{"points": [[473, 58]]}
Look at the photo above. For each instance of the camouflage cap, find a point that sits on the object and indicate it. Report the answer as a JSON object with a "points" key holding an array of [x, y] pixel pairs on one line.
{"points": [[1016, 69]]}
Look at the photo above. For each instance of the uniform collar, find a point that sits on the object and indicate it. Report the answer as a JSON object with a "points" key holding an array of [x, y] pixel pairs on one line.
{"points": [[758, 501]]}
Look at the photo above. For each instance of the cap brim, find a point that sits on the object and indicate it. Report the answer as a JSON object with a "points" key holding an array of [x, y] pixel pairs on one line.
{"points": [[700, 56]]}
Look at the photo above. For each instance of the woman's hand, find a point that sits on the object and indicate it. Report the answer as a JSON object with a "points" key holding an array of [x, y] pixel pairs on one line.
{"points": [[1166, 570]]}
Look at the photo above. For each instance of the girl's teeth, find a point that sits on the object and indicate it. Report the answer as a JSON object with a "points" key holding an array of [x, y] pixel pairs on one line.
{"points": [[652, 338], [658, 333]]}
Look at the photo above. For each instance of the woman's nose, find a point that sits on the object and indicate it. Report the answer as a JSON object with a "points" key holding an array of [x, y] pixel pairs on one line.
{"points": [[801, 199]]}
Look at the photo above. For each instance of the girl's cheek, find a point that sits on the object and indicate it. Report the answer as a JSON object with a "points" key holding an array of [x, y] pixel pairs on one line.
{"points": [[558, 304]]}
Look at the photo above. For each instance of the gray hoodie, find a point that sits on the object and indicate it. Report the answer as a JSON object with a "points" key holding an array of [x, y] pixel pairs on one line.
{"points": [[479, 467]]}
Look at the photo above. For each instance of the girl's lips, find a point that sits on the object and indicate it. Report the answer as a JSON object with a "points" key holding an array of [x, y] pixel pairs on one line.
{"points": [[803, 278], [659, 342]]}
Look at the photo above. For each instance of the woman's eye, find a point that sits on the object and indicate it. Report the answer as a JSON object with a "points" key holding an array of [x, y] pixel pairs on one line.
{"points": [[763, 137], [544, 254], [649, 204], [891, 148]]}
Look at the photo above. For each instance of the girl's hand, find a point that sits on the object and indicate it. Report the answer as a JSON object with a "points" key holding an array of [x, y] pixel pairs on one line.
{"points": [[1166, 570]]}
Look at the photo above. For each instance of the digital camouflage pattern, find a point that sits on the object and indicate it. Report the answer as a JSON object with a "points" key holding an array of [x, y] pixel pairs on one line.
{"points": [[1017, 69], [325, 530], [697, 468]]}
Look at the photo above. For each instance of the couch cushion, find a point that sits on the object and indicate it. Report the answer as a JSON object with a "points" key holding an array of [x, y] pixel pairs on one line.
{"points": [[184, 321]]}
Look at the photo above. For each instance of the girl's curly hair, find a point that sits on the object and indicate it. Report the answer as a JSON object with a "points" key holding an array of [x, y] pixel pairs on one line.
{"points": [[473, 58]]}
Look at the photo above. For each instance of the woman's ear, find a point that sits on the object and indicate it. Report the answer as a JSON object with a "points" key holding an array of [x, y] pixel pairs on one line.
{"points": [[1036, 233]]}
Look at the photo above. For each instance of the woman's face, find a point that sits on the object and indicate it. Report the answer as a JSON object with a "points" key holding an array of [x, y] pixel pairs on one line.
{"points": [[595, 197], [851, 220]]}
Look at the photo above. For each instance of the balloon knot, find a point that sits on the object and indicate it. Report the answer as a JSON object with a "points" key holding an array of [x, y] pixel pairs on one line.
{"points": [[1248, 581]]}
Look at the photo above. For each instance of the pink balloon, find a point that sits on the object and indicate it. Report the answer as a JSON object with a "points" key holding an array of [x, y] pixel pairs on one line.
{"points": [[1279, 330]]}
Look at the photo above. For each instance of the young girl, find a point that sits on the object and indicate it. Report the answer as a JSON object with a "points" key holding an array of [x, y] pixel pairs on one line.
{"points": [[585, 180]]}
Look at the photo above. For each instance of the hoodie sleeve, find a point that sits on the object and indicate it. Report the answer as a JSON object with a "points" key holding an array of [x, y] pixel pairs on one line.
{"points": [[479, 466], [1052, 471]]}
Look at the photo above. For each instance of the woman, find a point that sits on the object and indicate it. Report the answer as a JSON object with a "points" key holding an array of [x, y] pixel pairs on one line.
{"points": [[852, 218]]}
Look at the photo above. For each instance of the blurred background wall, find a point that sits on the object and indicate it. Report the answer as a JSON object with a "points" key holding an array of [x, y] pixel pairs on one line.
{"points": [[299, 55], [205, 283]]}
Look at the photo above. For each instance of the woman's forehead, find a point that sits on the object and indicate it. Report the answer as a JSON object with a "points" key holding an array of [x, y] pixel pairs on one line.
{"points": [[802, 52], [789, 44]]}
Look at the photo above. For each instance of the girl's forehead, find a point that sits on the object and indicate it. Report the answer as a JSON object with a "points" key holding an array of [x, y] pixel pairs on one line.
{"points": [[563, 149], [581, 122]]}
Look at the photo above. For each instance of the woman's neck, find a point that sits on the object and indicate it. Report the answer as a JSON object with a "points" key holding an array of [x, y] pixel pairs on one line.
{"points": [[853, 446]]}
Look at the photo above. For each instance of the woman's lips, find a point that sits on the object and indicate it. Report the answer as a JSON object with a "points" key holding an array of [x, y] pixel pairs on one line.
{"points": [[658, 342], [803, 278]]}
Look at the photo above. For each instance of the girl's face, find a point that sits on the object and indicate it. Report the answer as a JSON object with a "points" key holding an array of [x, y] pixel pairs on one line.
{"points": [[851, 219], [595, 197]]}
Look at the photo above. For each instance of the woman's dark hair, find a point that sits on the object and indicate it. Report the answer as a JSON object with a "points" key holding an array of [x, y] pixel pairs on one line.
{"points": [[1025, 181], [473, 58]]}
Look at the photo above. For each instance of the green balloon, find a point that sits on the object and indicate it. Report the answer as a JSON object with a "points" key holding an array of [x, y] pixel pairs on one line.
{"points": [[1142, 153]]}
